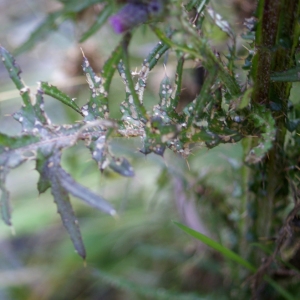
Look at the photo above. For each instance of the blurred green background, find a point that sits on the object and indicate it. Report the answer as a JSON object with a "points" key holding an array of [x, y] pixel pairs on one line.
{"points": [[140, 254]]}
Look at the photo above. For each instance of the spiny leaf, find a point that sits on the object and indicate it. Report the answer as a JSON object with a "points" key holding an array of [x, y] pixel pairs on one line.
{"points": [[127, 77], [12, 68], [147, 66], [203, 52], [101, 19], [128, 108], [178, 82], [155, 55], [40, 113], [165, 92], [99, 86], [98, 104], [54, 92], [14, 72]]}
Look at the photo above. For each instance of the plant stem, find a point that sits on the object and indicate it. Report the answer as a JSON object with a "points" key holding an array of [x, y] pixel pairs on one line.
{"points": [[276, 39]]}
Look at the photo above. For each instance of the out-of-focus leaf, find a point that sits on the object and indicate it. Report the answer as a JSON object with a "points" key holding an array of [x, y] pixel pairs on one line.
{"points": [[232, 256], [42, 167], [263, 120], [122, 166], [51, 23], [178, 84], [291, 75], [217, 246], [14, 142], [12, 148], [4, 200], [220, 22], [77, 6], [246, 98], [198, 4], [110, 66], [101, 19], [149, 293], [54, 92]]}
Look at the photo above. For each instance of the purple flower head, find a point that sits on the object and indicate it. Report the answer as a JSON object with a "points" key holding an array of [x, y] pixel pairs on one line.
{"points": [[131, 15]]}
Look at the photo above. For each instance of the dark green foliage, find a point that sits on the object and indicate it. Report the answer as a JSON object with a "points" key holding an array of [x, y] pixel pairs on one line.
{"points": [[224, 111]]}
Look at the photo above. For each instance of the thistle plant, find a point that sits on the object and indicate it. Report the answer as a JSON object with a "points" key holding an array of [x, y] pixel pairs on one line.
{"points": [[255, 111]]}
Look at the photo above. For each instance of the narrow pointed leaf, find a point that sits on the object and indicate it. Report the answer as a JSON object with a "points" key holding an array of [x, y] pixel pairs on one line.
{"points": [[81, 192], [42, 167], [110, 66], [66, 212], [217, 246], [101, 19], [232, 256], [49, 24]]}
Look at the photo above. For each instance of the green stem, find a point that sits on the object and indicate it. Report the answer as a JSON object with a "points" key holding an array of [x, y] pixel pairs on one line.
{"points": [[276, 39]]}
